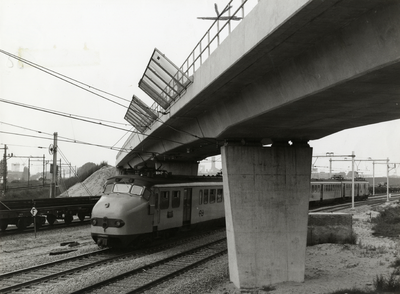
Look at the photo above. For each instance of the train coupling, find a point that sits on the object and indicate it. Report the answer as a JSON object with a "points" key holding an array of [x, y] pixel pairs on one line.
{"points": [[102, 242]]}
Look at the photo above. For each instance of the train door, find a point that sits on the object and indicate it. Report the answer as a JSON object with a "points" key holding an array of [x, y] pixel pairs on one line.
{"points": [[156, 196], [187, 206]]}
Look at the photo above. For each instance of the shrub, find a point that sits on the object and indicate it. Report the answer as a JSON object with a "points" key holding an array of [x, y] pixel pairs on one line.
{"points": [[387, 224]]}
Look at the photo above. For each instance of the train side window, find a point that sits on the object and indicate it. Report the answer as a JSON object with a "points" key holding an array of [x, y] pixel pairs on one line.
{"points": [[205, 196], [176, 199], [212, 195], [164, 201], [200, 196], [220, 195]]}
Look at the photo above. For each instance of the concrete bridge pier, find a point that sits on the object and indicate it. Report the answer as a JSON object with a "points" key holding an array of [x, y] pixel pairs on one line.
{"points": [[266, 194]]}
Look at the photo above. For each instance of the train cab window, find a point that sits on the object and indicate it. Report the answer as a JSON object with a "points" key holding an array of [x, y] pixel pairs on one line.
{"points": [[176, 199], [108, 188], [164, 200], [205, 198], [121, 188], [146, 194], [200, 196], [137, 190], [212, 195], [219, 195]]}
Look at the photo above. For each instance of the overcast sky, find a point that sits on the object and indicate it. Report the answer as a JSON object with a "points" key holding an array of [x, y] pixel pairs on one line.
{"points": [[107, 45]]}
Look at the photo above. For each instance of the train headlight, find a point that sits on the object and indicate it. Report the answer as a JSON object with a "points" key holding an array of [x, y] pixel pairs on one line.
{"points": [[94, 222], [119, 223]]}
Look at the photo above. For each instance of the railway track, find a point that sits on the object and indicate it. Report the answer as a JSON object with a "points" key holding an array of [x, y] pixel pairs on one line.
{"points": [[149, 276], [28, 277], [372, 201], [34, 278], [13, 230]]}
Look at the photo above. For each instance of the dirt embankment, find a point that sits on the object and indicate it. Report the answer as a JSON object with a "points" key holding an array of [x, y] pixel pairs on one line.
{"points": [[93, 185]]}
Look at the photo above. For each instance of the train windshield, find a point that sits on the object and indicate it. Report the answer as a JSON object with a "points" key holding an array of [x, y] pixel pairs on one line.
{"points": [[137, 190], [124, 186], [121, 188], [128, 189]]}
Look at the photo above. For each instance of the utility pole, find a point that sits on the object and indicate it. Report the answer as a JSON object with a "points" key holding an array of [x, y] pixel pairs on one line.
{"points": [[53, 150], [5, 170], [29, 170], [331, 154], [43, 170], [352, 179]]}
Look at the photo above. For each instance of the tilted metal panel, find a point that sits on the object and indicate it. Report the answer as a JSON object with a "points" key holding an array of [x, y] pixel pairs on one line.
{"points": [[139, 115], [162, 80], [145, 86]]}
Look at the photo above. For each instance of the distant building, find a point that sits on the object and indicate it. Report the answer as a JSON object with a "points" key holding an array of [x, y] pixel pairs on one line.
{"points": [[212, 171], [15, 167]]}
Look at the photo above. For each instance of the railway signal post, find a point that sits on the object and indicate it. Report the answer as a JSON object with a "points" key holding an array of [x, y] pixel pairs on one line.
{"points": [[34, 212]]}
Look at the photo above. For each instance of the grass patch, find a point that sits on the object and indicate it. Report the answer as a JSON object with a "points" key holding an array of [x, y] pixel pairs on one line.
{"points": [[396, 265], [382, 284], [389, 284], [387, 224]]}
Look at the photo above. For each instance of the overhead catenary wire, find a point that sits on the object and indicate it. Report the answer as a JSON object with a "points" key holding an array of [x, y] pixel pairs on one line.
{"points": [[67, 140], [84, 120], [73, 81], [66, 79]]}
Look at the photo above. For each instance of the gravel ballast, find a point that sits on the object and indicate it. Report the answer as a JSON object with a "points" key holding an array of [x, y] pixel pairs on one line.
{"points": [[329, 267]]}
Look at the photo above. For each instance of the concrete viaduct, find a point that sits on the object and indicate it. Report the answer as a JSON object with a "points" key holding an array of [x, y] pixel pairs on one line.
{"points": [[290, 72]]}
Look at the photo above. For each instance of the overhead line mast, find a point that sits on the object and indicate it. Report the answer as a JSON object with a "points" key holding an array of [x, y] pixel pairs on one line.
{"points": [[53, 150]]}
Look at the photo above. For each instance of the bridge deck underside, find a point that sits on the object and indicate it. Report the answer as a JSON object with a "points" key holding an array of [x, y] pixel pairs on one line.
{"points": [[335, 65]]}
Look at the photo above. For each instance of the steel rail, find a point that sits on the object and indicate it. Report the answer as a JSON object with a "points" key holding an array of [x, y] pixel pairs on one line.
{"points": [[146, 268], [51, 265], [79, 267], [338, 207]]}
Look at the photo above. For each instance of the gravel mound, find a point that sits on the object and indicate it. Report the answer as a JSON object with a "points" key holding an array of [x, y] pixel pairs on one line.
{"points": [[93, 185]]}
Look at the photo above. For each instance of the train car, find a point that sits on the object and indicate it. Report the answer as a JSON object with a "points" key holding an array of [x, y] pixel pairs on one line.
{"points": [[361, 191], [19, 212], [338, 189], [325, 191], [133, 206]]}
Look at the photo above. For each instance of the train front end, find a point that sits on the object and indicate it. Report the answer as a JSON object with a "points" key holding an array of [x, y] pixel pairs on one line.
{"points": [[121, 215]]}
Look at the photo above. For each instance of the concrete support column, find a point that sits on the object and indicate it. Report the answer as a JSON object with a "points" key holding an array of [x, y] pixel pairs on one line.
{"points": [[266, 194]]}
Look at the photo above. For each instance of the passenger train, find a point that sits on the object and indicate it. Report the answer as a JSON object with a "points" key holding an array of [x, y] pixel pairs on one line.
{"points": [[133, 206]]}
